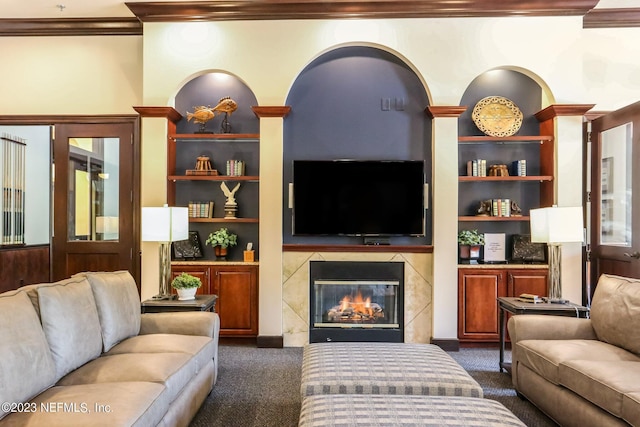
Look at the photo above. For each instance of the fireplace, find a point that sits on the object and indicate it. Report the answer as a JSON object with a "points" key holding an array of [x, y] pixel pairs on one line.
{"points": [[356, 301]]}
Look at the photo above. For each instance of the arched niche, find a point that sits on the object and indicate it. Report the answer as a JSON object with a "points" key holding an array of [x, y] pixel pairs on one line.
{"points": [[530, 95], [355, 102], [524, 90], [207, 90]]}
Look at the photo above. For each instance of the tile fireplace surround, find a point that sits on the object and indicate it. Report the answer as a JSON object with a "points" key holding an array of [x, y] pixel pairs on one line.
{"points": [[418, 291]]}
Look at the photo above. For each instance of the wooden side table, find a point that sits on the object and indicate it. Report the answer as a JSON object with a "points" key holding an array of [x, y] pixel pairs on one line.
{"points": [[515, 306], [201, 303]]}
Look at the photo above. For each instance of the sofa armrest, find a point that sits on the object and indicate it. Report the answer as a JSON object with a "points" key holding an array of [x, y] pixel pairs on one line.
{"points": [[542, 327], [202, 323]]}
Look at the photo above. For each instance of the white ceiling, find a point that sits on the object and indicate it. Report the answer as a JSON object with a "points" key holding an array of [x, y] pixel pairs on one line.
{"points": [[36, 9]]}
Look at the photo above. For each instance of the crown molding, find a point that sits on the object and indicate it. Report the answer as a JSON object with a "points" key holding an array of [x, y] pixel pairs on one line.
{"points": [[337, 9], [71, 27], [612, 18], [173, 11]]}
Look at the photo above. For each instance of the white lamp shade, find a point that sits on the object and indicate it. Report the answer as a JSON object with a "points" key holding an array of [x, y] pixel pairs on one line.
{"points": [[165, 224], [556, 225]]}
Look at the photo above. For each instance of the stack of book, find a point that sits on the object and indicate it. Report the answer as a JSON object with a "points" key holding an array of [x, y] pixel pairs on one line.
{"points": [[530, 298], [201, 209], [477, 167], [500, 207], [519, 167], [235, 167]]}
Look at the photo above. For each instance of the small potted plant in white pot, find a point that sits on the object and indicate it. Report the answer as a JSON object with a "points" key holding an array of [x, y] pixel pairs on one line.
{"points": [[221, 240], [470, 244], [186, 285]]}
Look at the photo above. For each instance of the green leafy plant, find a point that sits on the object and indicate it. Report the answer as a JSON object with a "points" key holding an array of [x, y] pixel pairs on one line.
{"points": [[186, 281], [470, 237], [222, 238]]}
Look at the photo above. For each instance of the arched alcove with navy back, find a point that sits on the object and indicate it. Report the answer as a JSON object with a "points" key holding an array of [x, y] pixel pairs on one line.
{"points": [[527, 95], [360, 103], [207, 90]]}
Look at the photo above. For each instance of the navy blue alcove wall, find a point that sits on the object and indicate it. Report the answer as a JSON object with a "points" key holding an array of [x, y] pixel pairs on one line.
{"points": [[337, 113], [207, 89], [526, 94]]}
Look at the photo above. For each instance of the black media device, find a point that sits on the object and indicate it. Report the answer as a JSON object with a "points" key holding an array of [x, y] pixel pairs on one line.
{"points": [[358, 197]]}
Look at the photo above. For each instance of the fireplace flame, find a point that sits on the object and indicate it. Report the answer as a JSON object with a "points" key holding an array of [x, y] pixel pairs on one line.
{"points": [[358, 305]]}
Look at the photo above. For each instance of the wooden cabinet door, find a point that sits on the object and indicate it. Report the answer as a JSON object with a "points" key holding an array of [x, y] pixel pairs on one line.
{"points": [[199, 271], [527, 282], [237, 304], [478, 291]]}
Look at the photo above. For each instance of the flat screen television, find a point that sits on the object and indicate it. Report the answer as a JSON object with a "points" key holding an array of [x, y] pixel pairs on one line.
{"points": [[358, 197]]}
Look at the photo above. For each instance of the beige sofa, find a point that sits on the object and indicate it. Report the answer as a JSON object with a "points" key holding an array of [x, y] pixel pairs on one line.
{"points": [[583, 372], [79, 353]]}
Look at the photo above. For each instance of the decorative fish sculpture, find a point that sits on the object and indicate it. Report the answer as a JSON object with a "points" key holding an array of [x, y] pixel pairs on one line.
{"points": [[226, 105], [201, 114]]}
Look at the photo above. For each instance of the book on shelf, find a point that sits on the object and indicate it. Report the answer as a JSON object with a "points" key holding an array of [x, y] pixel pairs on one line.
{"points": [[477, 167], [235, 167], [519, 167], [501, 207], [200, 209]]}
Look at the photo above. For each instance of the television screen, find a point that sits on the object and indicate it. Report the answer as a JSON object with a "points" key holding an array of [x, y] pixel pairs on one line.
{"points": [[358, 197]]}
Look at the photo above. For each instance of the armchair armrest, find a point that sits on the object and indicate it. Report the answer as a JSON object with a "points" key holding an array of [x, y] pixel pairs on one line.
{"points": [[541, 327], [202, 323]]}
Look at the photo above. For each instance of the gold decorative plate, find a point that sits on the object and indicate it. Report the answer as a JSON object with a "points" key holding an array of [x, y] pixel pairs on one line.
{"points": [[497, 116]]}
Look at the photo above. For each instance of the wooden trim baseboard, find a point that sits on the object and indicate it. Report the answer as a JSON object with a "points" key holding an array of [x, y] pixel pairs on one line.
{"points": [[447, 345], [270, 341]]}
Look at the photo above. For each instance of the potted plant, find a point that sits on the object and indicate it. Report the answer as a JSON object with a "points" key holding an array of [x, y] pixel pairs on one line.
{"points": [[221, 240], [470, 245], [186, 285]]}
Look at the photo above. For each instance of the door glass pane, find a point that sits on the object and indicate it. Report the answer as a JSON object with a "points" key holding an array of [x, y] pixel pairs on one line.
{"points": [[615, 186], [93, 189]]}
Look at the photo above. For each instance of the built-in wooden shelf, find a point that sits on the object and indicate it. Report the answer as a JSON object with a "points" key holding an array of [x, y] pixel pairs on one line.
{"points": [[497, 139], [200, 136], [249, 220], [492, 218], [538, 178], [175, 178]]}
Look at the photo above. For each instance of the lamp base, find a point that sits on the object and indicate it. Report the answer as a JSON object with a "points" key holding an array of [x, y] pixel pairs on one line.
{"points": [[554, 291]]}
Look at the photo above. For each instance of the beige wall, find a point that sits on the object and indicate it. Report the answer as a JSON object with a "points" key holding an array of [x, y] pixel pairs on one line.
{"points": [[70, 75], [100, 75]]}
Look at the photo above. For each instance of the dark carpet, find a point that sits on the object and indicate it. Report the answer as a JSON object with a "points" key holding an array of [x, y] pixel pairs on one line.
{"points": [[261, 387]]}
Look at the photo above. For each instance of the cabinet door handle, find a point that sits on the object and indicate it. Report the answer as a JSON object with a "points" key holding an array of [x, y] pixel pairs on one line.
{"points": [[634, 255]]}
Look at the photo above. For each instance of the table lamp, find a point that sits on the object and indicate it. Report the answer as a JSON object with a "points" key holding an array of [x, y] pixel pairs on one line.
{"points": [[164, 225], [555, 226]]}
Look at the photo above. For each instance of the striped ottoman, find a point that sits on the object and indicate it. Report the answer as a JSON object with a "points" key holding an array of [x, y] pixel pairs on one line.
{"points": [[383, 368], [351, 410]]}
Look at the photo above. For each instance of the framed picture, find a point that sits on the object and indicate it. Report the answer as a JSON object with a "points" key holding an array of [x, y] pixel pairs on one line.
{"points": [[189, 248], [606, 175]]}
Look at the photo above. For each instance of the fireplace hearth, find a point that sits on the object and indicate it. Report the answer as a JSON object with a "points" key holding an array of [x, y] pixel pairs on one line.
{"points": [[356, 301]]}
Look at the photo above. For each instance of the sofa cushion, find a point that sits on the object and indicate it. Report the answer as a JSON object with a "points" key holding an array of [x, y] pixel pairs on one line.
{"points": [[173, 370], [545, 356], [70, 322], [139, 404], [615, 312], [201, 348], [118, 305], [26, 367], [631, 408], [602, 383]]}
